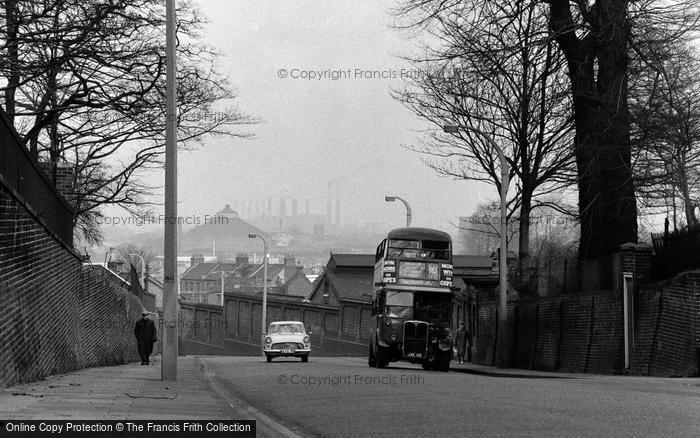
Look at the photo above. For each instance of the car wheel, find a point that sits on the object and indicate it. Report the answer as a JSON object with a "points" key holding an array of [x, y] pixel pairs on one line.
{"points": [[269, 359], [305, 358]]}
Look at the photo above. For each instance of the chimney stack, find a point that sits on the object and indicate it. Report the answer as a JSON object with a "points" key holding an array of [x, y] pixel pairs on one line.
{"points": [[195, 259]]}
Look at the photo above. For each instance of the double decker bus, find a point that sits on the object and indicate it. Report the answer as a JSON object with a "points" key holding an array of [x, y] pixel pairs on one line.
{"points": [[412, 300]]}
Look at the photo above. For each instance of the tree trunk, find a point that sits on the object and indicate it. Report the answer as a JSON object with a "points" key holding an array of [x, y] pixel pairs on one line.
{"points": [[524, 241], [598, 73], [683, 188]]}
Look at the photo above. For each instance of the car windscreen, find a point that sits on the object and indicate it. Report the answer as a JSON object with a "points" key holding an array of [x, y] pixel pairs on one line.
{"points": [[289, 328]]}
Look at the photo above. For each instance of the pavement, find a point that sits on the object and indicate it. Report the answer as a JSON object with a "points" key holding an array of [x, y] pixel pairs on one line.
{"points": [[130, 391], [492, 371]]}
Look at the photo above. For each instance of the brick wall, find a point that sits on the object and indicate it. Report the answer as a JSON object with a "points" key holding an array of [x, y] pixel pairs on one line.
{"points": [[583, 333], [337, 330], [237, 331], [667, 341], [55, 315], [65, 179]]}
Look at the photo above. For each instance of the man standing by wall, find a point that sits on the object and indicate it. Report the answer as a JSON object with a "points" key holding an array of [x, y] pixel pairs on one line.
{"points": [[145, 331], [460, 341]]}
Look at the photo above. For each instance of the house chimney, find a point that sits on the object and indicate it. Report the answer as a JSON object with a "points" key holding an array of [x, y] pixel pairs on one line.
{"points": [[241, 259], [196, 259], [115, 265]]}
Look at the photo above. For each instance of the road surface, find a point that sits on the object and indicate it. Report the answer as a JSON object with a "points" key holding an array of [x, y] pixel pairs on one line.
{"points": [[343, 397]]}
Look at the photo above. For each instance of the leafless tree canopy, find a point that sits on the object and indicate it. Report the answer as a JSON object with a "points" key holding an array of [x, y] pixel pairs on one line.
{"points": [[491, 68], [510, 64], [665, 110], [84, 82]]}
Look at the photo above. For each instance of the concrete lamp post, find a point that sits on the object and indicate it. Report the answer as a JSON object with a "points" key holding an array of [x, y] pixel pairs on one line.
{"points": [[503, 262], [408, 207], [170, 292], [264, 306]]}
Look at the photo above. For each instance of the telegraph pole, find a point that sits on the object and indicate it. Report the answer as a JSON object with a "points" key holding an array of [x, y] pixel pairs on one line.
{"points": [[170, 303]]}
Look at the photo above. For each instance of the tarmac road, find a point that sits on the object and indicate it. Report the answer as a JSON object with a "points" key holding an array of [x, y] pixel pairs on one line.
{"points": [[343, 397]]}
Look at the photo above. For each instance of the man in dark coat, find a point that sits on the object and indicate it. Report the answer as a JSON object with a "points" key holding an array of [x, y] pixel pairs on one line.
{"points": [[460, 340], [146, 335]]}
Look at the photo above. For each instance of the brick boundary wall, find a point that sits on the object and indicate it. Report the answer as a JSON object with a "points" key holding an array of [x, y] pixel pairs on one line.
{"points": [[583, 333], [235, 329], [56, 315]]}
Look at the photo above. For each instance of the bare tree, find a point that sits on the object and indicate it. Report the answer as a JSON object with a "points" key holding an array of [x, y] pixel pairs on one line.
{"points": [[595, 38], [479, 233], [665, 109], [490, 68], [133, 254], [84, 82]]}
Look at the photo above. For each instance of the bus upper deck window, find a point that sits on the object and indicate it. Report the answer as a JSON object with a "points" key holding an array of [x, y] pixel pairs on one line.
{"points": [[395, 252]]}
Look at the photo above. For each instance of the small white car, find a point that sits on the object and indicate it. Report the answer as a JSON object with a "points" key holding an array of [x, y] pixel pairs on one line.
{"points": [[287, 338]]}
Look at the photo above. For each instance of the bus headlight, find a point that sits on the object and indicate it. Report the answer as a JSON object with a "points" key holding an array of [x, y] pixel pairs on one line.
{"points": [[445, 344], [393, 336]]}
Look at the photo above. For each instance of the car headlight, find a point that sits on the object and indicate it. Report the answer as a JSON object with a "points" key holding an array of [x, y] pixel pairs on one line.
{"points": [[268, 340], [306, 339]]}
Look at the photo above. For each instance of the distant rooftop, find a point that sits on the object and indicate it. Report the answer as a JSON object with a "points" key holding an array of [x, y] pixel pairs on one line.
{"points": [[227, 211]]}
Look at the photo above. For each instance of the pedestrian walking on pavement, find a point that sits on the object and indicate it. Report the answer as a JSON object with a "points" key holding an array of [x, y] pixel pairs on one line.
{"points": [[461, 341], [146, 335]]}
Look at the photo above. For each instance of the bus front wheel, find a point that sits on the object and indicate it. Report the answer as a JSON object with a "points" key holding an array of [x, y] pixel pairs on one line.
{"points": [[382, 356], [444, 361], [372, 360]]}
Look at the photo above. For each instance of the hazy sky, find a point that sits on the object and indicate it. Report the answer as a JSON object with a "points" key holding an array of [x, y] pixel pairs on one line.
{"points": [[349, 130]]}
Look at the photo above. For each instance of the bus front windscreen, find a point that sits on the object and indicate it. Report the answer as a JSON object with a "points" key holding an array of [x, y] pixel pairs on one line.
{"points": [[432, 307], [399, 304]]}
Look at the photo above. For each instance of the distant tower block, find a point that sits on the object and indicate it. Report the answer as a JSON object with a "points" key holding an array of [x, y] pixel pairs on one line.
{"points": [[283, 212], [307, 206], [295, 210], [283, 207], [337, 212], [269, 207], [235, 206], [250, 209], [329, 213]]}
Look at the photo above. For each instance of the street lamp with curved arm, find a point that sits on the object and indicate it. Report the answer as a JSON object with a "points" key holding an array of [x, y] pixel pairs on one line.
{"points": [[264, 306], [408, 207], [503, 262]]}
